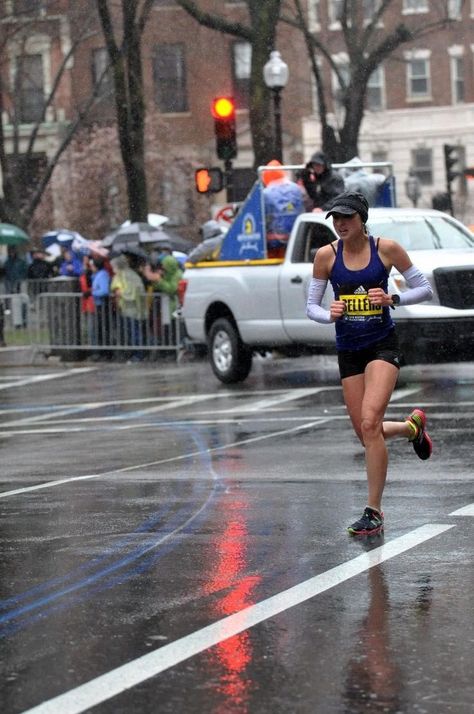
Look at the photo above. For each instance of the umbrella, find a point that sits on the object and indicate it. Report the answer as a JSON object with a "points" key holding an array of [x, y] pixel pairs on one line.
{"points": [[139, 234], [130, 250], [62, 237], [153, 219], [12, 235], [82, 246], [175, 241]]}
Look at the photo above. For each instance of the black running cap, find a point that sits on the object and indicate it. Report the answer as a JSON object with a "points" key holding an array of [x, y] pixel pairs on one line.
{"points": [[349, 203]]}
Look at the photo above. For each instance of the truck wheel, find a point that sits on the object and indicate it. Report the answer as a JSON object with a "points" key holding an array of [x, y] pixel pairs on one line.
{"points": [[231, 360]]}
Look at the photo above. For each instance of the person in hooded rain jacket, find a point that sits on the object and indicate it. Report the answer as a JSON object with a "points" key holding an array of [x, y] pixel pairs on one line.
{"points": [[321, 182], [164, 279]]}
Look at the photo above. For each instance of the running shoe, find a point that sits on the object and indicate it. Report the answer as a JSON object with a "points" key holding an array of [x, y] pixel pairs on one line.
{"points": [[371, 523], [422, 443]]}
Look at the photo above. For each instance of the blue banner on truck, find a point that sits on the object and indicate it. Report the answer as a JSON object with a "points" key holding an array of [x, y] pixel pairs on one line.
{"points": [[245, 239]]}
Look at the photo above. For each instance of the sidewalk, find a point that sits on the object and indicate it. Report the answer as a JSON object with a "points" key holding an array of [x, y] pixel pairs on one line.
{"points": [[17, 356], [20, 356]]}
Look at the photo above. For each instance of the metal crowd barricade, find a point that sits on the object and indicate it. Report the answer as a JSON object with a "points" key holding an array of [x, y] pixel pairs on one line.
{"points": [[64, 326], [14, 317]]}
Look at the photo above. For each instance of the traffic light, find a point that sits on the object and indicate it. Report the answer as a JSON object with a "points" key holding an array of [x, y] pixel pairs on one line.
{"points": [[223, 111], [209, 180], [452, 157]]}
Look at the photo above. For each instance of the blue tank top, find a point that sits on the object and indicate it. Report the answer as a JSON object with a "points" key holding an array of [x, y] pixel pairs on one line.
{"points": [[362, 323]]}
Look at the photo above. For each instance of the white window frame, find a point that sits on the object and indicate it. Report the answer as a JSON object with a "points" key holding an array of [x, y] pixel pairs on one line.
{"points": [[241, 70], [455, 9], [314, 15], [380, 71], [375, 7], [457, 53], [334, 22], [342, 61], [35, 45], [412, 7], [420, 169], [421, 56]]}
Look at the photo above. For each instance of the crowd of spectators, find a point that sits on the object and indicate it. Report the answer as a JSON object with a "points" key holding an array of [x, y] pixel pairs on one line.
{"points": [[118, 305]]}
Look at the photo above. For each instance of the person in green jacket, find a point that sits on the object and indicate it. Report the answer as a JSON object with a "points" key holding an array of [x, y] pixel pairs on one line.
{"points": [[164, 279]]}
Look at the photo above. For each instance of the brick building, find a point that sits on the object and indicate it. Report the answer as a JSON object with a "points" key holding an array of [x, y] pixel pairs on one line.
{"points": [[419, 99]]}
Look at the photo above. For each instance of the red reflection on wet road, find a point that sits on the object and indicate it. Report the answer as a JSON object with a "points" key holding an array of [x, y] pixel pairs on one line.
{"points": [[233, 656]]}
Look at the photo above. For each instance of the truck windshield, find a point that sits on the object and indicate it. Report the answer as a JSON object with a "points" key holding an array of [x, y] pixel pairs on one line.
{"points": [[429, 233]]}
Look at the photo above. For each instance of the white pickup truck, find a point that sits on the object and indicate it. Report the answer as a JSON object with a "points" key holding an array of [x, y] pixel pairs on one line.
{"points": [[238, 307]]}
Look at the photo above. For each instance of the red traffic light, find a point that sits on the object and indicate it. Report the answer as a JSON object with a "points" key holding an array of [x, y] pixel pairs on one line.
{"points": [[223, 108], [223, 111]]}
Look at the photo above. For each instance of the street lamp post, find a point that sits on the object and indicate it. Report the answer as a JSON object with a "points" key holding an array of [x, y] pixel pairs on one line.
{"points": [[275, 74]]}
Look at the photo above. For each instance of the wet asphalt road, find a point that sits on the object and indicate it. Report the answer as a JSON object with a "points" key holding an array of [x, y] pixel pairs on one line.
{"points": [[169, 544]]}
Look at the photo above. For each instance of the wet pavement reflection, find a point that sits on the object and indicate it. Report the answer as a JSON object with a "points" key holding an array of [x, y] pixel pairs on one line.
{"points": [[140, 507]]}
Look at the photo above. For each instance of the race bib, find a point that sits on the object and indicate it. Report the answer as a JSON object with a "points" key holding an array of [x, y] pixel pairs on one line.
{"points": [[359, 306]]}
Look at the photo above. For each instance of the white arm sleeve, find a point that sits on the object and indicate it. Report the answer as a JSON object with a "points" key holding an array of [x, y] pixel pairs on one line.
{"points": [[313, 306], [419, 287]]}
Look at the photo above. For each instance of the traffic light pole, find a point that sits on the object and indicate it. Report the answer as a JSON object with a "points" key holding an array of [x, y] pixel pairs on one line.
{"points": [[450, 199], [229, 180]]}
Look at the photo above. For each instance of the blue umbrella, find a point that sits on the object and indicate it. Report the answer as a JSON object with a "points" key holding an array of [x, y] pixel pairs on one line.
{"points": [[62, 237]]}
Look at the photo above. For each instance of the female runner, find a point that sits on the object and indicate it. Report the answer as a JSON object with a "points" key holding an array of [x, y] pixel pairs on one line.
{"points": [[358, 265]]}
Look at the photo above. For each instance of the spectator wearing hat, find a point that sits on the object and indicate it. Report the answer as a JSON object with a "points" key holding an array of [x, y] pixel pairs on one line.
{"points": [[358, 266], [321, 182], [283, 200]]}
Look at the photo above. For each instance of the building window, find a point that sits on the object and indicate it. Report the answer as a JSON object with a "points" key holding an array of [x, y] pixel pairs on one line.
{"points": [[380, 155], [169, 78], [241, 65], [314, 15], [102, 72], [422, 164], [410, 6], [375, 99], [340, 86], [455, 9], [369, 9], [29, 88], [457, 78], [419, 86], [335, 9], [27, 7]]}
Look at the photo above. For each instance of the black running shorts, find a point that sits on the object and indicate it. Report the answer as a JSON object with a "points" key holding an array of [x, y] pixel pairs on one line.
{"points": [[352, 362]]}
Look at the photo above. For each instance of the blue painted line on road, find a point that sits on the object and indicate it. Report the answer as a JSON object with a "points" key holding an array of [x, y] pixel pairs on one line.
{"points": [[181, 521]]}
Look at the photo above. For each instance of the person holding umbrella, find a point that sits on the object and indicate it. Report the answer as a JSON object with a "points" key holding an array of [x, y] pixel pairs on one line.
{"points": [[164, 279]]}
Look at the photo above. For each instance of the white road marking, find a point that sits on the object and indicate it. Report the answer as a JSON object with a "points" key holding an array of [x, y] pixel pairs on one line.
{"points": [[181, 457], [175, 403], [45, 377], [402, 393], [465, 511], [272, 401], [118, 680]]}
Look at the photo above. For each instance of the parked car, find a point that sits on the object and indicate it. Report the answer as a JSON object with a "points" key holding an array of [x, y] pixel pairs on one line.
{"points": [[255, 306]]}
